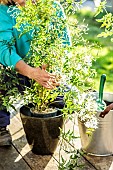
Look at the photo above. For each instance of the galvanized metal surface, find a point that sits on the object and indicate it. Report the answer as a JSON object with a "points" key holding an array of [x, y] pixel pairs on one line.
{"points": [[100, 142]]}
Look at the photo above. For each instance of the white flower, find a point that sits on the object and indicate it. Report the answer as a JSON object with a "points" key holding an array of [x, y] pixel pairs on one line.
{"points": [[87, 110], [88, 60], [79, 67], [92, 123]]}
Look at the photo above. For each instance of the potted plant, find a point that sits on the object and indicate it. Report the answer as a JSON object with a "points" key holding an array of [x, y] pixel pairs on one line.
{"points": [[71, 65]]}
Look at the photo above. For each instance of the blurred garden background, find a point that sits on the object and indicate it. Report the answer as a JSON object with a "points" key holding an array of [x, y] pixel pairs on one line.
{"points": [[103, 49]]}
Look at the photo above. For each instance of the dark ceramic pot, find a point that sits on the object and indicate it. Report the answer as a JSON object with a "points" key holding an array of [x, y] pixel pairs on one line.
{"points": [[43, 133]]}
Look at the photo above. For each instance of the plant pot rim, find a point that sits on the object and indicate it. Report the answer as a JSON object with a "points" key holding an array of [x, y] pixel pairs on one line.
{"points": [[26, 111]]}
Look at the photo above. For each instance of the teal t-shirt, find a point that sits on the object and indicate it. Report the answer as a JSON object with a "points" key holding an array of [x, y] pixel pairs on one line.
{"points": [[12, 48]]}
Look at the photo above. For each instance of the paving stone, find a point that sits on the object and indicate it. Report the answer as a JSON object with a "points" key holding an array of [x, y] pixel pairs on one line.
{"points": [[101, 163], [8, 160], [15, 124]]}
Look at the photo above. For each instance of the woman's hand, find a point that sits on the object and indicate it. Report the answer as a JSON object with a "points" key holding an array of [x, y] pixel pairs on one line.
{"points": [[47, 80], [40, 75]]}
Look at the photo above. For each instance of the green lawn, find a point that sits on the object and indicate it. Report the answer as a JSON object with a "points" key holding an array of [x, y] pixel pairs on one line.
{"points": [[104, 62]]}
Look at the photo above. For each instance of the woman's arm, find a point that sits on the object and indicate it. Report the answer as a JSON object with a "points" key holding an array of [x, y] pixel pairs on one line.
{"points": [[9, 56]]}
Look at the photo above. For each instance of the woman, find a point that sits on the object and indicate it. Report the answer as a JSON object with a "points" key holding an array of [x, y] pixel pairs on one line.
{"points": [[14, 58]]}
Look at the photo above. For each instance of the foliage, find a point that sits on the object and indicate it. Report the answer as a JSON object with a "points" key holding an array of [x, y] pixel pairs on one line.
{"points": [[103, 47], [9, 82], [101, 7], [46, 47], [72, 163], [106, 20], [72, 64]]}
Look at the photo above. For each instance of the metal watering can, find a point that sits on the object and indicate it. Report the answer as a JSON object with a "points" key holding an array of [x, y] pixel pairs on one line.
{"points": [[100, 142]]}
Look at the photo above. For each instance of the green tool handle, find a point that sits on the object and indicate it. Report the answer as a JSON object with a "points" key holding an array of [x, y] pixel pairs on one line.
{"points": [[102, 82]]}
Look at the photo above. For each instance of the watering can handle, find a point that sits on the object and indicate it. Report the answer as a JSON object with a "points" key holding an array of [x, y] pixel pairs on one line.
{"points": [[108, 108], [102, 82]]}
